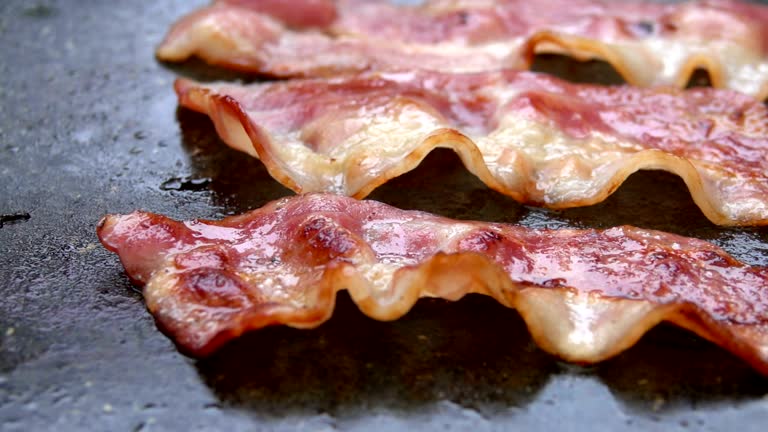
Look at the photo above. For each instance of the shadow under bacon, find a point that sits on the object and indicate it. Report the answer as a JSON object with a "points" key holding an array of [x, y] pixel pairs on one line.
{"points": [[474, 352]]}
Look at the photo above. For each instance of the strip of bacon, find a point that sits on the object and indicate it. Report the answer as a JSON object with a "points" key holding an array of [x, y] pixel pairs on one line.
{"points": [[650, 44], [537, 139], [586, 295]]}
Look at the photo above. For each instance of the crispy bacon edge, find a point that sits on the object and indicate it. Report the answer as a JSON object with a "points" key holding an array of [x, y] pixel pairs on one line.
{"points": [[578, 324]]}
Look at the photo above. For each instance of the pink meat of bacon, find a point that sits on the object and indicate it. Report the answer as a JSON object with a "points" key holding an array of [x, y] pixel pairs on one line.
{"points": [[585, 295], [649, 43], [538, 139]]}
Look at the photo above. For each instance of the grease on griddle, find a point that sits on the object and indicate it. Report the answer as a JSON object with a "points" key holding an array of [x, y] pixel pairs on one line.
{"points": [[186, 184], [14, 217]]}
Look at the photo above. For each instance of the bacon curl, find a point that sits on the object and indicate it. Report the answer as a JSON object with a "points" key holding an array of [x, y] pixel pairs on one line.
{"points": [[585, 295], [538, 139], [649, 44]]}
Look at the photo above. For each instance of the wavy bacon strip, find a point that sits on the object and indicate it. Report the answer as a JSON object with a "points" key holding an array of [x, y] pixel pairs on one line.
{"points": [[537, 139], [650, 44], [586, 295]]}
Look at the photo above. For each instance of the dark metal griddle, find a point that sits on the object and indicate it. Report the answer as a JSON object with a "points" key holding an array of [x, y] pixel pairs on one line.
{"points": [[89, 125]]}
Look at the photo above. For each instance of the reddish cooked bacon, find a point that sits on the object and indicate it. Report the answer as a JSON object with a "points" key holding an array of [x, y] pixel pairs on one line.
{"points": [[648, 43], [586, 295], [535, 138]]}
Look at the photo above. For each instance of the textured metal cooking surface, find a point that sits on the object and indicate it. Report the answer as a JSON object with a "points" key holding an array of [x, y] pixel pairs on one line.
{"points": [[89, 125]]}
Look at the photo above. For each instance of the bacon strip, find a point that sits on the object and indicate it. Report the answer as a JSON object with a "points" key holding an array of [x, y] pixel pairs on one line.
{"points": [[586, 295], [650, 44], [537, 139]]}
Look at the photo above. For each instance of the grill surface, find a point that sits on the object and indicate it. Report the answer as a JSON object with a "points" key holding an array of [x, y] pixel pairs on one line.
{"points": [[89, 125]]}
